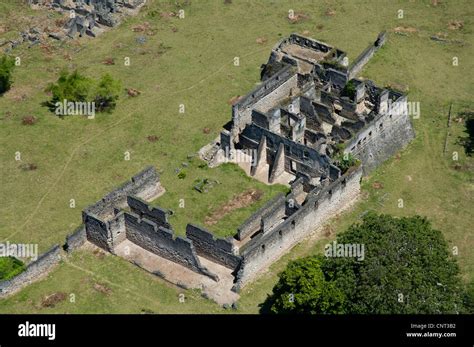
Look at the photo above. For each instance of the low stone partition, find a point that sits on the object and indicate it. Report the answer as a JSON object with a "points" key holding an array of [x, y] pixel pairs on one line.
{"points": [[160, 241], [221, 251], [253, 223], [144, 185], [157, 215]]}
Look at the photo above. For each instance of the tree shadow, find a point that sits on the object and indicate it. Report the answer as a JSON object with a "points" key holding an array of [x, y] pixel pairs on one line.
{"points": [[467, 141]]}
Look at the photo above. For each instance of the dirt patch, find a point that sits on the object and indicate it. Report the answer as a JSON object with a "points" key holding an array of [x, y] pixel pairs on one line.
{"points": [[377, 185], [244, 199], [234, 100], [398, 86], [167, 15], [18, 93], [206, 130], [133, 92], [102, 288], [455, 25], [261, 40], [109, 61], [152, 138], [29, 120], [53, 299], [330, 12], [298, 17], [328, 231], [99, 253], [405, 30]]}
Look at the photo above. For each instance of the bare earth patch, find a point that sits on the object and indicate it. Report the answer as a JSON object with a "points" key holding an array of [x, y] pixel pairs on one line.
{"points": [[405, 30], [298, 17], [455, 25], [102, 288], [234, 100], [53, 299], [244, 199], [377, 185]]}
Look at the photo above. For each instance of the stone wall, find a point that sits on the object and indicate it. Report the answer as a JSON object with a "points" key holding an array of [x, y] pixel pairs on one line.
{"points": [[319, 207], [218, 250], [160, 241], [145, 184], [157, 215], [382, 138], [76, 239], [262, 98], [298, 157], [34, 272], [358, 64], [307, 43], [97, 231], [253, 223]]}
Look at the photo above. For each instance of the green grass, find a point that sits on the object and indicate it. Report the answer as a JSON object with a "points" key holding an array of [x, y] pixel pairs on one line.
{"points": [[82, 159], [198, 205], [10, 267]]}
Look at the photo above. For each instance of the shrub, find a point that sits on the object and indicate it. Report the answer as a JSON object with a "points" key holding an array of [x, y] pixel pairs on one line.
{"points": [[75, 87], [10, 267], [7, 65]]}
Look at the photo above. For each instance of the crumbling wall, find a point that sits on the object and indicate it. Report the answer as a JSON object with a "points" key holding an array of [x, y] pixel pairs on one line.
{"points": [[319, 207], [160, 241], [358, 64], [97, 231], [307, 43], [298, 157], [218, 250], [253, 223], [382, 138], [33, 272], [264, 97], [144, 185], [157, 215], [76, 239]]}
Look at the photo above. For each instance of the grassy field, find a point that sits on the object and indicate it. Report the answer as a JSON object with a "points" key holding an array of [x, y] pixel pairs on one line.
{"points": [[190, 62]]}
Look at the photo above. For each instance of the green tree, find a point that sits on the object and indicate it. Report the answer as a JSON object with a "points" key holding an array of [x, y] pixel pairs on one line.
{"points": [[7, 65], [75, 87], [406, 269], [72, 87], [469, 299], [303, 288], [107, 93]]}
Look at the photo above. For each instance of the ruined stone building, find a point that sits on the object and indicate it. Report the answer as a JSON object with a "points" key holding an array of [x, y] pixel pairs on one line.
{"points": [[308, 112]]}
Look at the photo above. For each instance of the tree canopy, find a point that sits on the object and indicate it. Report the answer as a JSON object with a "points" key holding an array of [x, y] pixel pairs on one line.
{"points": [[7, 65], [406, 269], [75, 87]]}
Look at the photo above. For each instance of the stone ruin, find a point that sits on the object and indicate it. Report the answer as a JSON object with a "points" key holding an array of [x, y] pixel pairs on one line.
{"points": [[85, 18], [308, 110], [294, 123]]}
